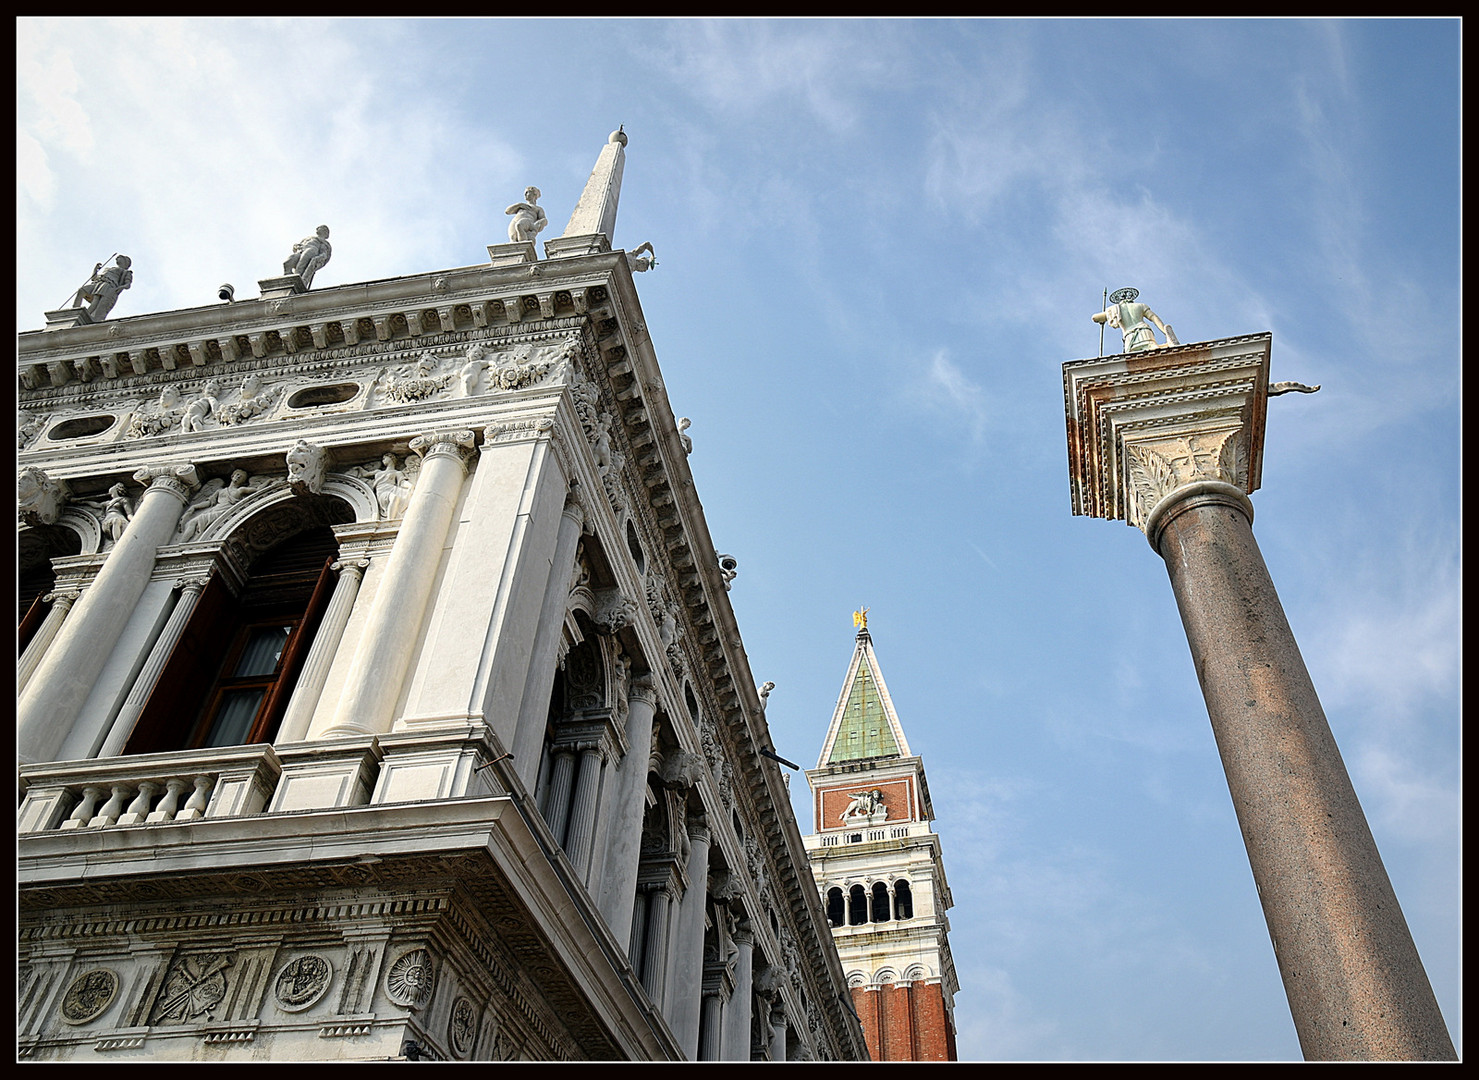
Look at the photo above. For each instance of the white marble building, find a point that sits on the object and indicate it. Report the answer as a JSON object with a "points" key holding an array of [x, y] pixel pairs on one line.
{"points": [[381, 695]]}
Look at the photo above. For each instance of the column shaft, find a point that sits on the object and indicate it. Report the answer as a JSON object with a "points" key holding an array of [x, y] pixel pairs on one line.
{"points": [[623, 853], [737, 1016], [45, 633], [383, 656], [534, 708], [159, 655], [711, 1027], [320, 657], [582, 825], [655, 956], [1355, 983], [49, 705], [557, 799], [688, 946]]}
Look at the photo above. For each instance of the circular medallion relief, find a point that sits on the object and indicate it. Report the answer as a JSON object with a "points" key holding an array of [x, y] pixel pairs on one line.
{"points": [[409, 980], [89, 995], [301, 982], [463, 1026]]}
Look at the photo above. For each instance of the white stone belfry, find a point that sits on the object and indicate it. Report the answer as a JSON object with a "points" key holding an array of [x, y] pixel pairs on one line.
{"points": [[878, 867]]}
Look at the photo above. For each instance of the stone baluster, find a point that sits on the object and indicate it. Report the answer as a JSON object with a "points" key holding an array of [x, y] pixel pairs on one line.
{"points": [[138, 810], [393, 622], [624, 837], [53, 698], [534, 708], [164, 647], [320, 658], [168, 806], [738, 1015], [199, 799], [83, 813], [688, 942], [111, 810], [61, 603]]}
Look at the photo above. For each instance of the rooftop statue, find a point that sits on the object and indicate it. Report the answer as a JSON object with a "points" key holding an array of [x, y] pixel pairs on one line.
{"points": [[1133, 321], [528, 217], [637, 262], [102, 289], [309, 256]]}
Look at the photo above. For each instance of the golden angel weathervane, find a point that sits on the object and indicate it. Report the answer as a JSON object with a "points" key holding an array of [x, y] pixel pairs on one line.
{"points": [[860, 619]]}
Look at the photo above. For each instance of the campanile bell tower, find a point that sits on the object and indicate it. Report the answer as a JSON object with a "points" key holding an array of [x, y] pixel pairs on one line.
{"points": [[879, 870]]}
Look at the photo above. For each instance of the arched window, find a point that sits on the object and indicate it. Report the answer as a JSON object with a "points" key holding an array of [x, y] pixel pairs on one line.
{"points": [[903, 900], [835, 914], [857, 913], [880, 902], [230, 677]]}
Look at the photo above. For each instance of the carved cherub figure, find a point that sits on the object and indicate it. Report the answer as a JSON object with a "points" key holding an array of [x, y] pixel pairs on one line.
{"points": [[200, 407], [472, 371], [528, 217]]}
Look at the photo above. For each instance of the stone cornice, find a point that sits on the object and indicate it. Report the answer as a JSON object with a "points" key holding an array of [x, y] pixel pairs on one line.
{"points": [[1142, 425]]}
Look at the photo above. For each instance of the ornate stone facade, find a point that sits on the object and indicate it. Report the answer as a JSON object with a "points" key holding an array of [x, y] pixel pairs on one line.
{"points": [[380, 698]]}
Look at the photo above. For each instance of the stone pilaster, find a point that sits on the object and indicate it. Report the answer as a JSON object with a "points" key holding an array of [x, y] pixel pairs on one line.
{"points": [[738, 1015], [1172, 440], [53, 698], [61, 602], [688, 942]]}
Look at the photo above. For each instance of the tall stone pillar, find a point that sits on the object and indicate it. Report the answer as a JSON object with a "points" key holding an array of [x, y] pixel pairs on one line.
{"points": [[534, 708], [49, 705], [778, 1030], [394, 619], [164, 647], [61, 603], [711, 1017], [655, 956], [624, 837], [320, 658], [1172, 440], [738, 1016], [688, 943], [582, 827]]}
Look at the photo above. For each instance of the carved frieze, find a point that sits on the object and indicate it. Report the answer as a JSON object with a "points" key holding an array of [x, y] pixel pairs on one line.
{"points": [[193, 988]]}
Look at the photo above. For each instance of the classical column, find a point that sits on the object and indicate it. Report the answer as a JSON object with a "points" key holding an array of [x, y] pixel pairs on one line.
{"points": [[164, 646], [688, 942], [778, 1031], [1172, 439], [624, 836], [737, 1016], [321, 653], [384, 652], [655, 956], [556, 807], [49, 705], [582, 825], [534, 708], [711, 1023], [61, 602]]}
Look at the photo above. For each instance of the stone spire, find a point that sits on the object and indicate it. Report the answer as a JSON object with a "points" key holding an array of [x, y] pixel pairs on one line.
{"points": [[864, 724], [594, 221]]}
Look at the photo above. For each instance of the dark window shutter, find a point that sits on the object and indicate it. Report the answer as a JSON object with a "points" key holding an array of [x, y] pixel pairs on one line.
{"points": [[270, 715]]}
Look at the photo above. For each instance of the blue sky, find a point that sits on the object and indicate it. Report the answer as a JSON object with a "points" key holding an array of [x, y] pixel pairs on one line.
{"points": [[878, 243]]}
